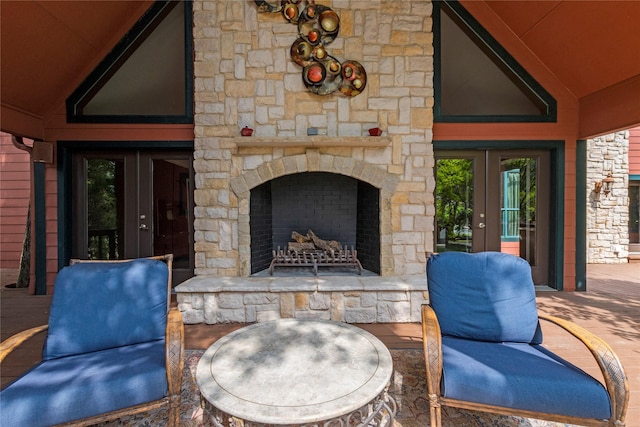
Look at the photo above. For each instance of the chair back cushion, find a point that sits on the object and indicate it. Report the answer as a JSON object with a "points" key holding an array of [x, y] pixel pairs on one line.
{"points": [[98, 305], [487, 296]]}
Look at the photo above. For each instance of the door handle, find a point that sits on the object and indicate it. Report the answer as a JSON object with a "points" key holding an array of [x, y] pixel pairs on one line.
{"points": [[143, 226], [481, 225]]}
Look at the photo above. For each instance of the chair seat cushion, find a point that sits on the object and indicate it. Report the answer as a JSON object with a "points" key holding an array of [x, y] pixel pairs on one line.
{"points": [[520, 376], [80, 386]]}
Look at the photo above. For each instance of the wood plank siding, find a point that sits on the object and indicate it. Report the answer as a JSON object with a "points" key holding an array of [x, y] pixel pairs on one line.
{"points": [[14, 200]]}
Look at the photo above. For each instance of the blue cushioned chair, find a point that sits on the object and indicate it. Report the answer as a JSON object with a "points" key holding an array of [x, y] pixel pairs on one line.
{"points": [[482, 344], [113, 348]]}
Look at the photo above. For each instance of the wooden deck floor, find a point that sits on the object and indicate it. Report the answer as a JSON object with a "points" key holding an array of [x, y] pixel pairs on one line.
{"points": [[610, 308]]}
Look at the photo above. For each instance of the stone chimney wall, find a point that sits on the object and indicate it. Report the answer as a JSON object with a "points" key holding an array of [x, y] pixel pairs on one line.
{"points": [[244, 76], [608, 215]]}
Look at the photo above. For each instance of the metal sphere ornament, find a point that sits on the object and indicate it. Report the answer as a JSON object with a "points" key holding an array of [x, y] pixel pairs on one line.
{"points": [[318, 26]]}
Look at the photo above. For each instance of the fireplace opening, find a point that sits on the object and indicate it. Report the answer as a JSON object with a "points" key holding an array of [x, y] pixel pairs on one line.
{"points": [[336, 207]]}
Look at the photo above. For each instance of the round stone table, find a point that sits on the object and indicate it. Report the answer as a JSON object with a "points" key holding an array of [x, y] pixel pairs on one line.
{"points": [[296, 372]]}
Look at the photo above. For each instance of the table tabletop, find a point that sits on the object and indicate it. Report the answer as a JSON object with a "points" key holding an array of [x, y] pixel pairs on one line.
{"points": [[292, 371]]}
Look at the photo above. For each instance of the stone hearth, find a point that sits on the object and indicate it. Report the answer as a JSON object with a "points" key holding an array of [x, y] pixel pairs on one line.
{"points": [[351, 299]]}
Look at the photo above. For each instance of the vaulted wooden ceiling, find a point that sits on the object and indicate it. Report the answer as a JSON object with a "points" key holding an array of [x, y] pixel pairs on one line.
{"points": [[593, 47], [49, 47], [588, 45]]}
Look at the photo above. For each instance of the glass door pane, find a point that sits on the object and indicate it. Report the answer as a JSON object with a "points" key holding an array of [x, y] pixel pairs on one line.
{"points": [[105, 208], [171, 198], [165, 215], [518, 200], [459, 212], [518, 208], [634, 216]]}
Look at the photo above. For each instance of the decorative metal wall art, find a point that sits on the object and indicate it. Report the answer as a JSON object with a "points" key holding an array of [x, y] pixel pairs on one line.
{"points": [[318, 26]]}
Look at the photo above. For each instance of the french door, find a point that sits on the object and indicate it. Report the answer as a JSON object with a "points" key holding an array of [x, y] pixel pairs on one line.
{"points": [[131, 204], [495, 200]]}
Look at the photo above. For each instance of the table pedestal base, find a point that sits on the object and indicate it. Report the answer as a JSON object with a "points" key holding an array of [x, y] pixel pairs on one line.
{"points": [[379, 412]]}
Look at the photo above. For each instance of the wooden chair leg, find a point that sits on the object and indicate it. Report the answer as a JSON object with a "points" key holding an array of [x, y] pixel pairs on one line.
{"points": [[174, 412], [435, 412]]}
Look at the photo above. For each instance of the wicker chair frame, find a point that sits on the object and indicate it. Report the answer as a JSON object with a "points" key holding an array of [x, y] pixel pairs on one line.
{"points": [[613, 373], [174, 357]]}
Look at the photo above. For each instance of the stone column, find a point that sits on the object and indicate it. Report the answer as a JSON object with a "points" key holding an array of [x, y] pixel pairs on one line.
{"points": [[608, 215]]}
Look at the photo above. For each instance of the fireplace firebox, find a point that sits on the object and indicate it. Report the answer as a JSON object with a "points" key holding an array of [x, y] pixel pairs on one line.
{"points": [[336, 207]]}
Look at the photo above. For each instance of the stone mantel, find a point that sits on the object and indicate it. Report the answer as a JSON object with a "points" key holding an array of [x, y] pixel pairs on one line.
{"points": [[311, 141]]}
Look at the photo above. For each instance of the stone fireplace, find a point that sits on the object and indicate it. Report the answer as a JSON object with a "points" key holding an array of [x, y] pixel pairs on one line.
{"points": [[251, 189]]}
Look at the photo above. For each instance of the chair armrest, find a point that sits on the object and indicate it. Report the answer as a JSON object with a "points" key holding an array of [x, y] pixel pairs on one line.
{"points": [[174, 342], [11, 343], [614, 376], [432, 342]]}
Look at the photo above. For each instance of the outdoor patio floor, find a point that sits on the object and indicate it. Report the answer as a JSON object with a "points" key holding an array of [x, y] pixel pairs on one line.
{"points": [[610, 308]]}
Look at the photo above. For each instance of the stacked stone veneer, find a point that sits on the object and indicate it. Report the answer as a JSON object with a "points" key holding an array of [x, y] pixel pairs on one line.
{"points": [[341, 298], [608, 216], [244, 77]]}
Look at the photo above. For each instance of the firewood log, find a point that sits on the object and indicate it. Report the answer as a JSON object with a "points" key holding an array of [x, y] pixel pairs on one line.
{"points": [[326, 245], [300, 238], [301, 246]]}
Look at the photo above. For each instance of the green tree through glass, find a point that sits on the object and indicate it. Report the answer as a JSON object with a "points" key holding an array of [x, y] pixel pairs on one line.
{"points": [[454, 198], [101, 208]]}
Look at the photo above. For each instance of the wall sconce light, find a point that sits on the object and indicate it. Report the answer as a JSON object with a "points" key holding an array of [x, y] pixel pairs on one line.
{"points": [[605, 185]]}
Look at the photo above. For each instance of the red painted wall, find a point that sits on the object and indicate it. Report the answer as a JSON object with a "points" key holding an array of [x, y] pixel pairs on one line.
{"points": [[15, 191]]}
